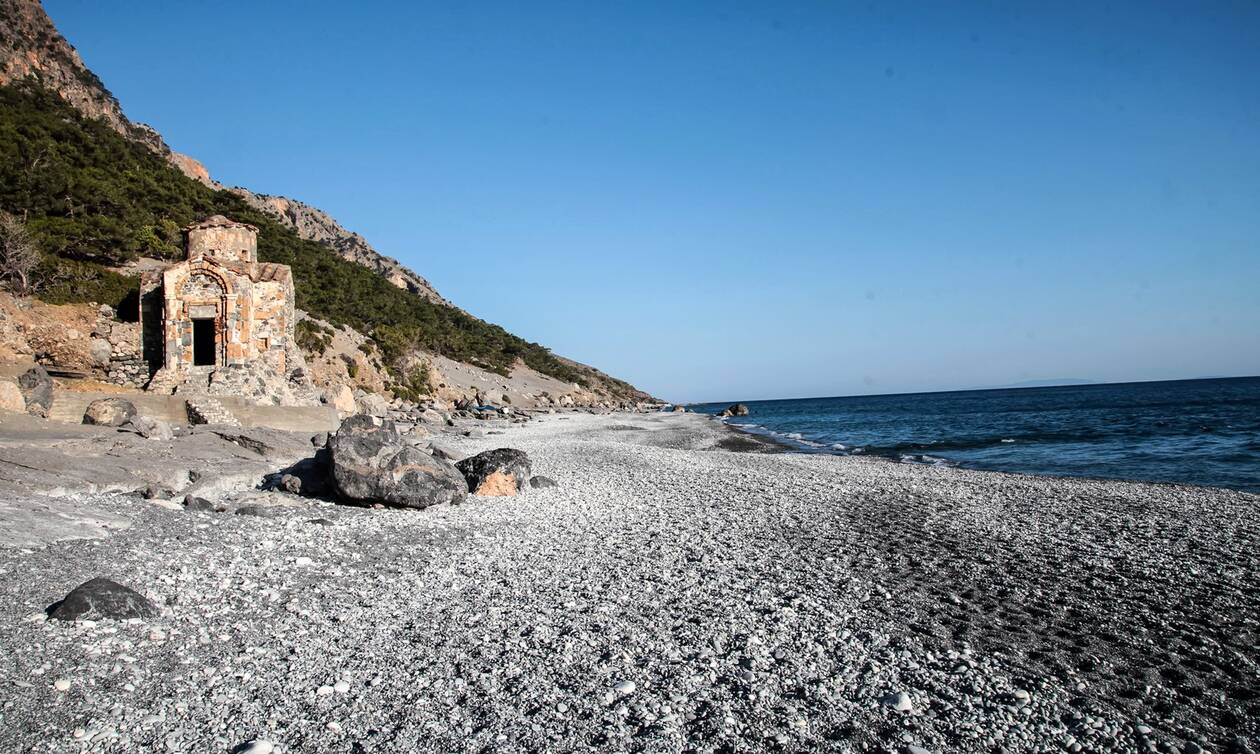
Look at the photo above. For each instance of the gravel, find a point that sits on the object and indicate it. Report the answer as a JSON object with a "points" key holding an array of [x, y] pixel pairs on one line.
{"points": [[667, 595]]}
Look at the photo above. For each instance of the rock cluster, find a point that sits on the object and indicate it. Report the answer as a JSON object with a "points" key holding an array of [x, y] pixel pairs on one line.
{"points": [[737, 409]]}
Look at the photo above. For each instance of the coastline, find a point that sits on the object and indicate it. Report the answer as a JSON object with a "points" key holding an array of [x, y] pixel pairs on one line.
{"points": [[667, 595]]}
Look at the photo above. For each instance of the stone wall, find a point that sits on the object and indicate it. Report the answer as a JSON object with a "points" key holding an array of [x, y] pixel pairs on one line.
{"points": [[236, 243]]}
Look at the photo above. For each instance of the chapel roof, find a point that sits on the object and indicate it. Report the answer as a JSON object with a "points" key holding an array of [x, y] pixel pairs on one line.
{"points": [[218, 221]]}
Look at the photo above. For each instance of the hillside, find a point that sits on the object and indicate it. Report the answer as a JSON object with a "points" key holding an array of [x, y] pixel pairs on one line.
{"points": [[99, 193]]}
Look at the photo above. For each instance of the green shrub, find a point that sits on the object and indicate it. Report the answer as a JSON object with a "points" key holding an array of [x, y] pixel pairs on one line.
{"points": [[92, 200]]}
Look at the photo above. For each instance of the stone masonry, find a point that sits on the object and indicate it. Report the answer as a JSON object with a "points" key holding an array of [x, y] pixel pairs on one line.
{"points": [[220, 320]]}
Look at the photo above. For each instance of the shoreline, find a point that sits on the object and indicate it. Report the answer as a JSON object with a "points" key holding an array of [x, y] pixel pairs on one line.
{"points": [[790, 445], [667, 595]]}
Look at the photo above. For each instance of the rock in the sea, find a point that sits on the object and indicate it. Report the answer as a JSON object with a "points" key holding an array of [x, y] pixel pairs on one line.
{"points": [[102, 598], [11, 398], [371, 463], [150, 428], [737, 409], [496, 473], [109, 412], [542, 482], [37, 390], [679, 409]]}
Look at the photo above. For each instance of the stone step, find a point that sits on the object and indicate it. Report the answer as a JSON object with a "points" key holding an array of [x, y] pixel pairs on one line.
{"points": [[202, 409]]}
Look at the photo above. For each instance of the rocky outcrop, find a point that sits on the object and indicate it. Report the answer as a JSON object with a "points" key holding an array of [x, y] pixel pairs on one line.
{"points": [[737, 409], [314, 224], [109, 412], [496, 473], [101, 598], [31, 47], [370, 463]]}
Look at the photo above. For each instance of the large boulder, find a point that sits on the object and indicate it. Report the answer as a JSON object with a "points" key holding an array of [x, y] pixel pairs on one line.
{"points": [[372, 404], [737, 409], [371, 463], [340, 397], [150, 428], [102, 598], [109, 412], [11, 398], [37, 389], [496, 473]]}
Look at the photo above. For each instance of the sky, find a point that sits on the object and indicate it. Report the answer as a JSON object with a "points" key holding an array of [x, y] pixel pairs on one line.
{"points": [[733, 201]]}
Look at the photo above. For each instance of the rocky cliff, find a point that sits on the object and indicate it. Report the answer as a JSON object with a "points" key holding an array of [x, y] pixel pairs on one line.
{"points": [[31, 46]]}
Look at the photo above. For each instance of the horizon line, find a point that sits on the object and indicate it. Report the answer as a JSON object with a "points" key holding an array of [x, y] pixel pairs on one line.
{"points": [[967, 390]]}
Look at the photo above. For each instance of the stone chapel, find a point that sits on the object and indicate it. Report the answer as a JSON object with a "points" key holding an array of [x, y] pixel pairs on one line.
{"points": [[220, 317]]}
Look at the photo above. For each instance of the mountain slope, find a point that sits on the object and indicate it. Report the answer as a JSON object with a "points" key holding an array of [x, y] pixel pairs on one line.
{"points": [[99, 192]]}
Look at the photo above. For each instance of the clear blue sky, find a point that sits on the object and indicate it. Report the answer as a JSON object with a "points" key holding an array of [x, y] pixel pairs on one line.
{"points": [[733, 201]]}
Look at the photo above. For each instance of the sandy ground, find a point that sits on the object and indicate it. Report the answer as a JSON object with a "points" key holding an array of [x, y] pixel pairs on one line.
{"points": [[669, 595]]}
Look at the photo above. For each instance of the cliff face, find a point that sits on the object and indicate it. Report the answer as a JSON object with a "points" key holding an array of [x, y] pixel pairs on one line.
{"points": [[31, 46]]}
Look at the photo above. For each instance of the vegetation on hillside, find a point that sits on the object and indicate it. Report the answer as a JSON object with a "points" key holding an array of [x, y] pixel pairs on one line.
{"points": [[92, 200]]}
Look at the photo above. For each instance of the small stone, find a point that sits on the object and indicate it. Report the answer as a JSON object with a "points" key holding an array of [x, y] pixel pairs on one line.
{"points": [[258, 747], [324, 691], [61, 684], [341, 687], [899, 701], [334, 726], [625, 688], [303, 561]]}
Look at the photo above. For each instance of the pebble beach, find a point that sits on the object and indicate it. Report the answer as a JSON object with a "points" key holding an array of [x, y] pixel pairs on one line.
{"points": [[681, 589]]}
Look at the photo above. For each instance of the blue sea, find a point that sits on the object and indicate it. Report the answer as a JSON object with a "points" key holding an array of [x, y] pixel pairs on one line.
{"points": [[1204, 432]]}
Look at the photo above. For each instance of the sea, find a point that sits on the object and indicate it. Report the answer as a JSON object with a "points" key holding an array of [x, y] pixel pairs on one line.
{"points": [[1200, 432]]}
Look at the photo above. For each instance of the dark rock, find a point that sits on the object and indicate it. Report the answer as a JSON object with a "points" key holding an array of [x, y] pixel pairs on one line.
{"points": [[320, 440], [371, 463], [102, 598], [109, 412], [194, 504], [321, 522], [736, 409], [542, 482], [37, 389], [496, 473], [261, 511]]}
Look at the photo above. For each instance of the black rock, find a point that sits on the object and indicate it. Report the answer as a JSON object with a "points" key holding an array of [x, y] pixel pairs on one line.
{"points": [[736, 409], [371, 463], [496, 473], [261, 511], [37, 389], [102, 598], [194, 504], [542, 482]]}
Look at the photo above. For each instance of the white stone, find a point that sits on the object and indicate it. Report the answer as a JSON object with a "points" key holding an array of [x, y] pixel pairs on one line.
{"points": [[625, 687], [341, 687], [61, 684], [258, 747]]}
